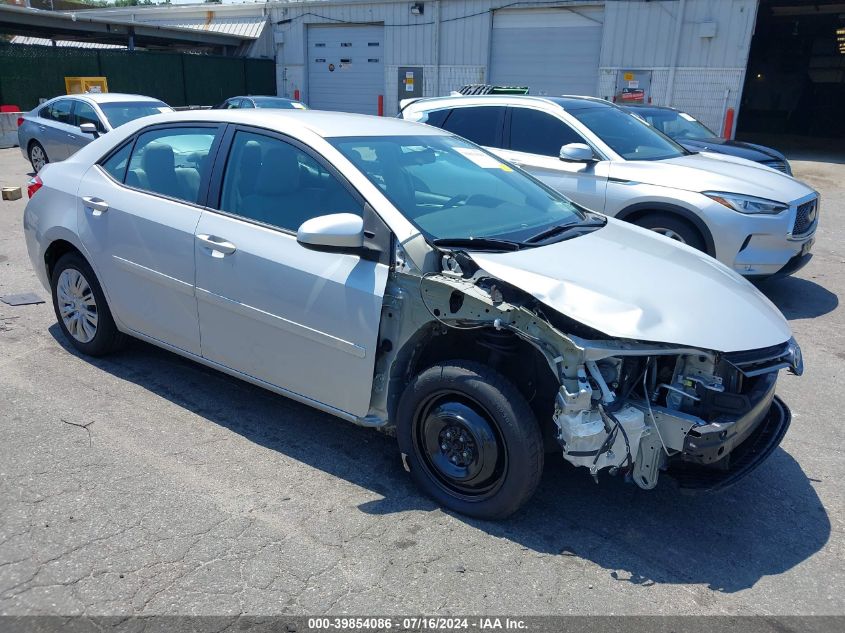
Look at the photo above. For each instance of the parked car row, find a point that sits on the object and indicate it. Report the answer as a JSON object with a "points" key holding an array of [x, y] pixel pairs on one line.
{"points": [[399, 276], [756, 220]]}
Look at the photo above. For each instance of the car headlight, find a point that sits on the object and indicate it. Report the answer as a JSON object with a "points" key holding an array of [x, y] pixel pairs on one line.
{"points": [[747, 204]]}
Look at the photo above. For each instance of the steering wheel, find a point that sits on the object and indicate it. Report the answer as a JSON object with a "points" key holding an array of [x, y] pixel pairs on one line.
{"points": [[453, 202]]}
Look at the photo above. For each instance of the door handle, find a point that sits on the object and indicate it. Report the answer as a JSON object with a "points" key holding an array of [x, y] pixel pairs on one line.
{"points": [[217, 246], [98, 206], [42, 128]]}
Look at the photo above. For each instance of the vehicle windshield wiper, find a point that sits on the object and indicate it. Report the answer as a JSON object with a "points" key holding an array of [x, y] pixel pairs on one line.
{"points": [[479, 243], [565, 230]]}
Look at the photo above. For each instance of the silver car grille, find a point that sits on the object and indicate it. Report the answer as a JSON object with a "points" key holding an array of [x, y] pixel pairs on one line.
{"points": [[806, 218]]}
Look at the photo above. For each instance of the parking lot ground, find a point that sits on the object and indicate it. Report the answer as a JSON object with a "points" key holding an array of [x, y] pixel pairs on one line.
{"points": [[190, 492]]}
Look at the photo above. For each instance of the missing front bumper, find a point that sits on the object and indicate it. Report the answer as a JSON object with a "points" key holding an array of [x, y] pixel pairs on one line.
{"points": [[744, 457]]}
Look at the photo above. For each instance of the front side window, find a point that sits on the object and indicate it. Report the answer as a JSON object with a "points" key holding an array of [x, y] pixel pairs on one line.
{"points": [[481, 125], [452, 189], [171, 162], [274, 182], [233, 104], [119, 113], [627, 135], [537, 132], [85, 113]]}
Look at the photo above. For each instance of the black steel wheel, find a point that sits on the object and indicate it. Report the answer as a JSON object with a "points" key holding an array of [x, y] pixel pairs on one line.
{"points": [[470, 439]]}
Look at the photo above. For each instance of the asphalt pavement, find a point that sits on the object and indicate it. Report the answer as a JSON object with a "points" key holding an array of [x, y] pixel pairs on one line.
{"points": [[146, 484]]}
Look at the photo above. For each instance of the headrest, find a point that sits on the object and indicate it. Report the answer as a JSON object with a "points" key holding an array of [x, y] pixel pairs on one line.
{"points": [[279, 172], [158, 160]]}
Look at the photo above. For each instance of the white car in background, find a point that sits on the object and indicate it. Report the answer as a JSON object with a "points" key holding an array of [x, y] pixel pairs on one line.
{"points": [[398, 276], [752, 218], [59, 127]]}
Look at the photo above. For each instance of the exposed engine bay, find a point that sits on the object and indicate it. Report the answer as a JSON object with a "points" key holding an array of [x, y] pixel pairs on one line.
{"points": [[627, 407]]}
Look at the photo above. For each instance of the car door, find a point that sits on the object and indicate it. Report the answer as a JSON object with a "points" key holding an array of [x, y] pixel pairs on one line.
{"points": [[138, 209], [301, 320], [83, 112], [533, 139], [55, 125]]}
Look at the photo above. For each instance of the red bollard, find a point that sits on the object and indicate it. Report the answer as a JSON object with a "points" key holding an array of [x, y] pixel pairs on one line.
{"points": [[729, 124], [381, 105], [296, 94]]}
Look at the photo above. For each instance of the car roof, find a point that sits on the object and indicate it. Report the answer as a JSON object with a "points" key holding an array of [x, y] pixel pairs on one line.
{"points": [[653, 108], [321, 122], [112, 97], [567, 102], [260, 97]]}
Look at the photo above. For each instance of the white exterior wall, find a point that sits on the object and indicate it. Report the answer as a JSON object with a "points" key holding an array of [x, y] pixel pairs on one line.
{"points": [[409, 40], [710, 71], [637, 35]]}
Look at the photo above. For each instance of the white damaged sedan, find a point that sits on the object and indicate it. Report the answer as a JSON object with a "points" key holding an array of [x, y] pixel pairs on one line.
{"points": [[397, 276]]}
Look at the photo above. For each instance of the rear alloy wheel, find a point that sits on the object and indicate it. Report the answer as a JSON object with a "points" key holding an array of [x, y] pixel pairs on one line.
{"points": [[37, 156], [673, 227], [470, 439], [81, 307]]}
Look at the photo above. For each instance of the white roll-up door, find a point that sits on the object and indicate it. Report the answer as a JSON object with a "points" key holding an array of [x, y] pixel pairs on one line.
{"points": [[345, 68], [552, 51]]}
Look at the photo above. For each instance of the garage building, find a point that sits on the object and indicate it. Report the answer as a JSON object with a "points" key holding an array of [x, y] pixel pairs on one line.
{"points": [[366, 56]]}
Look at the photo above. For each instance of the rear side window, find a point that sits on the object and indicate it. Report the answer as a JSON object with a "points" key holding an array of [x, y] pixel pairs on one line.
{"points": [[171, 162], [274, 182], [481, 125], [59, 111], [540, 133], [115, 165]]}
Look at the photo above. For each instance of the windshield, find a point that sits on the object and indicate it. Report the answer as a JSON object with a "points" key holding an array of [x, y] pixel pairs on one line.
{"points": [[627, 135], [275, 102], [452, 189], [121, 112], [677, 125]]}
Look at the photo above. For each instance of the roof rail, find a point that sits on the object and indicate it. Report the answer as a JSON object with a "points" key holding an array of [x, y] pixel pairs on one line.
{"points": [[487, 89]]}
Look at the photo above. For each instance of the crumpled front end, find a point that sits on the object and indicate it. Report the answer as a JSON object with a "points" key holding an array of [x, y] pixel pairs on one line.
{"points": [[619, 405], [705, 418]]}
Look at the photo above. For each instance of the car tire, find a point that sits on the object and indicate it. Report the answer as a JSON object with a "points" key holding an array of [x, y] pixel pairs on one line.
{"points": [[37, 156], [470, 439], [673, 227], [81, 309]]}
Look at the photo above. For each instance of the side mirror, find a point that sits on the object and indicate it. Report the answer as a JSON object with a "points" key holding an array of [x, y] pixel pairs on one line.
{"points": [[577, 153], [89, 128], [338, 231]]}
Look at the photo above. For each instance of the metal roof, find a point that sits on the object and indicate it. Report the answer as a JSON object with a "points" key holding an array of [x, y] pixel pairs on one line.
{"points": [[244, 26], [42, 41], [79, 26]]}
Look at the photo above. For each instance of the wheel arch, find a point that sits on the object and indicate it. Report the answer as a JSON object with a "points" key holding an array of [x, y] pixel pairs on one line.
{"points": [[56, 250], [636, 211], [513, 357]]}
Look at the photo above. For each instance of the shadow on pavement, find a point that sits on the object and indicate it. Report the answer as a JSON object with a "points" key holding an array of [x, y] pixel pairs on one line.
{"points": [[765, 525], [799, 298]]}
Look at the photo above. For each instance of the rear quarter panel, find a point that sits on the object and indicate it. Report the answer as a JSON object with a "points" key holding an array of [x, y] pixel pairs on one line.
{"points": [[51, 215]]}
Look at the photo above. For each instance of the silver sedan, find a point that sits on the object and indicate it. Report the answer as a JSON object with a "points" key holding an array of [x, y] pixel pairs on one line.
{"points": [[59, 127], [395, 275]]}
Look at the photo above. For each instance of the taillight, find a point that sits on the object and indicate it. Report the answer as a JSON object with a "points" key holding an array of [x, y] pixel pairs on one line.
{"points": [[20, 121], [33, 185]]}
